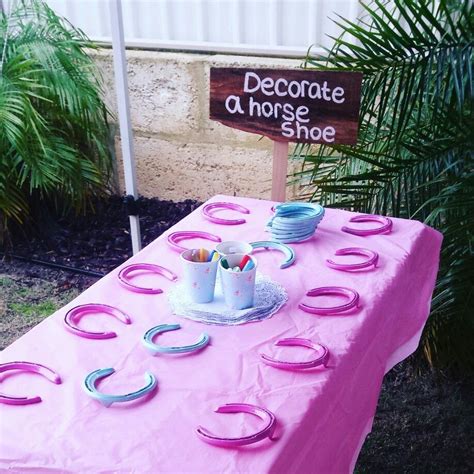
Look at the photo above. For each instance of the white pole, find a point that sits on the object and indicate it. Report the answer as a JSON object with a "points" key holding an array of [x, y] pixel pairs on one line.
{"points": [[123, 103]]}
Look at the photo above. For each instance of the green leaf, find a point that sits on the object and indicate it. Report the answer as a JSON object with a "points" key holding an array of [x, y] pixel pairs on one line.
{"points": [[415, 153], [54, 133]]}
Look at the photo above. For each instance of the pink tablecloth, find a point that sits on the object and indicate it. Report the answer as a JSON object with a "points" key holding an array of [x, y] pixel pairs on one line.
{"points": [[323, 415]]}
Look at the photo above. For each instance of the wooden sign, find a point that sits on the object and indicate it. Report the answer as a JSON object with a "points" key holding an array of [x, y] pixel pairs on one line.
{"points": [[288, 105]]}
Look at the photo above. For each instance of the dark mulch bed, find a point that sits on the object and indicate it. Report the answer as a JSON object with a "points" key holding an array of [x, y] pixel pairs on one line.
{"points": [[99, 241], [424, 421], [424, 424]]}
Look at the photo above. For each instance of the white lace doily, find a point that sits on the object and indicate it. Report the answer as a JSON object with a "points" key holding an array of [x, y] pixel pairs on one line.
{"points": [[269, 298]]}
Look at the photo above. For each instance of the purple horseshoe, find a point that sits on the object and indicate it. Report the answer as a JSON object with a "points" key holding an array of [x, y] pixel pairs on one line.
{"points": [[385, 228], [266, 432], [124, 277], [297, 341], [206, 210], [73, 313], [46, 372], [176, 237], [352, 295], [373, 258]]}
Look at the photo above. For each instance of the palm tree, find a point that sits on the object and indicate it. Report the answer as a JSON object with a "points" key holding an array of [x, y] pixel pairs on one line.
{"points": [[414, 156], [54, 137]]}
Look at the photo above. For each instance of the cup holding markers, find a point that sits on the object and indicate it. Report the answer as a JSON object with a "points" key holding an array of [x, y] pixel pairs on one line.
{"points": [[238, 272], [200, 268], [230, 247]]}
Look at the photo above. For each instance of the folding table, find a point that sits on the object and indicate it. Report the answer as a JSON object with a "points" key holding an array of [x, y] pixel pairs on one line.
{"points": [[323, 415]]}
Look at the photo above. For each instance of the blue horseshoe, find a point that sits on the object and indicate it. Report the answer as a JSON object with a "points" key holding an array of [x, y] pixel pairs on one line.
{"points": [[304, 209], [157, 349], [106, 399], [288, 251]]}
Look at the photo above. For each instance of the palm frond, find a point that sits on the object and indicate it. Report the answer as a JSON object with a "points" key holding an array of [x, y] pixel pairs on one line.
{"points": [[53, 122], [415, 155]]}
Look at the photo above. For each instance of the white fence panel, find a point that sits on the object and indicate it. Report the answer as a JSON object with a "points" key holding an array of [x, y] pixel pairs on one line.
{"points": [[266, 27]]}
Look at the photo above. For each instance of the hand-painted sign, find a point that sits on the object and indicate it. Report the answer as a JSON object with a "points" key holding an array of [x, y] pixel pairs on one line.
{"points": [[289, 105]]}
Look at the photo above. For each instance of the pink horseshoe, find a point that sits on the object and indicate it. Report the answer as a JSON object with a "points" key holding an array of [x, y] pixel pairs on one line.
{"points": [[176, 237], [352, 295], [206, 210], [263, 413], [297, 341], [373, 258], [385, 228], [73, 313], [46, 372], [124, 277]]}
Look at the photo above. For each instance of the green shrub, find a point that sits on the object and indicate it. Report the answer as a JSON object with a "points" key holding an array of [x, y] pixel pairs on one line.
{"points": [[54, 137], [414, 156]]}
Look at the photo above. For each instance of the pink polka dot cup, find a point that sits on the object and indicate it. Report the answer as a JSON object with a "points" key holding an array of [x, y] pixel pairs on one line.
{"points": [[238, 287], [199, 277]]}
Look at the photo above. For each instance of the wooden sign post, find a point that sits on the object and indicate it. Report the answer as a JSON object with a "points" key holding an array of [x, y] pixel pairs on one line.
{"points": [[287, 105]]}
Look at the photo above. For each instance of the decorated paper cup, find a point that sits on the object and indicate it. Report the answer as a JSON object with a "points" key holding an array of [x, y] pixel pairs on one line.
{"points": [[232, 247], [199, 277], [238, 287]]}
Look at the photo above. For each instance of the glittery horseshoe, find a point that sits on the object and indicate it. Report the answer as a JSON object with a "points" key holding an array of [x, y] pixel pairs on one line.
{"points": [[297, 341], [91, 380], [124, 276], [157, 349], [385, 228], [263, 413], [206, 211], [352, 295], [46, 372], [73, 313], [176, 237], [373, 258]]}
